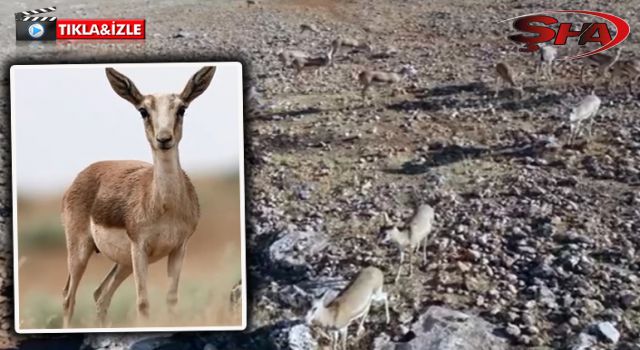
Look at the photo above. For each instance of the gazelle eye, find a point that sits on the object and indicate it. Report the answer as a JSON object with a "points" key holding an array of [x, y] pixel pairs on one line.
{"points": [[181, 110], [143, 113]]}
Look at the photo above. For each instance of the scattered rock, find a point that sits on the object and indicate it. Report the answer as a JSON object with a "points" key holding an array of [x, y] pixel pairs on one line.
{"points": [[513, 330], [608, 331], [582, 341], [300, 338]]}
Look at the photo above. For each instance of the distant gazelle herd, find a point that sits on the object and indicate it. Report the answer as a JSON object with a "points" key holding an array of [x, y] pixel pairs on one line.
{"points": [[620, 69]]}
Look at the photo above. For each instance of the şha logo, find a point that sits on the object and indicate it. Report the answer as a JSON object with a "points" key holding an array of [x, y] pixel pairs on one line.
{"points": [[597, 31]]}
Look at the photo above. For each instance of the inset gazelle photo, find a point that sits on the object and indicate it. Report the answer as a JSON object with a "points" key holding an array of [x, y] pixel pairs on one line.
{"points": [[128, 191]]}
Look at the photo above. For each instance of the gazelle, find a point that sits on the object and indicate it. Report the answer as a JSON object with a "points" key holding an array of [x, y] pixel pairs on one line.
{"points": [[602, 61], [548, 54], [133, 212], [584, 112], [313, 62], [288, 56], [340, 42], [309, 27], [505, 73], [625, 69], [367, 78], [353, 302], [411, 237]]}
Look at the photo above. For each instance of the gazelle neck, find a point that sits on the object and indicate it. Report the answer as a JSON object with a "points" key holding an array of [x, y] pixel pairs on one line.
{"points": [[167, 175], [402, 236], [327, 316]]}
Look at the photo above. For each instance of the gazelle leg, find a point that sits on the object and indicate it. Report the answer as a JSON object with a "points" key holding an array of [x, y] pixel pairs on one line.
{"points": [[362, 319], [498, 81], [140, 267], [610, 83], [399, 266], [104, 299], [334, 340], [572, 133], [105, 282], [174, 266], [382, 296], [587, 128], [345, 333], [386, 306], [590, 125], [365, 91], [411, 253], [571, 137], [424, 251], [79, 252]]}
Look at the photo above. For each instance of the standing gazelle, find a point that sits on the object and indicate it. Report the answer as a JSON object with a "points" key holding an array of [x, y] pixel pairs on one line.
{"points": [[133, 212], [353, 302], [416, 234], [506, 74]]}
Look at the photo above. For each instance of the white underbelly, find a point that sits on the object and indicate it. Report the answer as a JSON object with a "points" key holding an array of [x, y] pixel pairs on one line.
{"points": [[115, 244], [112, 242]]}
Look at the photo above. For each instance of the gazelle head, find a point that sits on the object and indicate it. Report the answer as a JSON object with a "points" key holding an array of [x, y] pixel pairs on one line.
{"points": [[389, 230], [390, 234], [162, 114], [318, 309], [573, 110]]}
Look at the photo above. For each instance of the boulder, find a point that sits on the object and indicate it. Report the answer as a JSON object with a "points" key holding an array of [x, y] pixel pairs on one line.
{"points": [[440, 328], [294, 248]]}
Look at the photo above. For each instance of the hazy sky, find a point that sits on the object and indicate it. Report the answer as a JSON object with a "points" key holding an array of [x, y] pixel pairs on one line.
{"points": [[66, 117]]}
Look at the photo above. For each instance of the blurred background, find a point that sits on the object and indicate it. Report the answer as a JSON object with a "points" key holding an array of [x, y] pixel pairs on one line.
{"points": [[67, 117]]}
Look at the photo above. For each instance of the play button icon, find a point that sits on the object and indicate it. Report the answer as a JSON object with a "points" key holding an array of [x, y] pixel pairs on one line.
{"points": [[36, 30]]}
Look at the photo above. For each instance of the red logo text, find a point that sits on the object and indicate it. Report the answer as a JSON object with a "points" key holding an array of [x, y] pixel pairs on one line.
{"points": [[597, 31]]}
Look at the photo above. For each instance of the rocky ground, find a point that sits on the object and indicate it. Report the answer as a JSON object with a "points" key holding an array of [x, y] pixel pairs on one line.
{"points": [[535, 242]]}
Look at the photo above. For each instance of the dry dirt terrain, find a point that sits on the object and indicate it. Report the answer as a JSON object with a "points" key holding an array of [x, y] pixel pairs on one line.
{"points": [[537, 238]]}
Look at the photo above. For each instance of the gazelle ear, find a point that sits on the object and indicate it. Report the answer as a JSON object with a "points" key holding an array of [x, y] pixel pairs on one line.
{"points": [[386, 220], [123, 86], [198, 83]]}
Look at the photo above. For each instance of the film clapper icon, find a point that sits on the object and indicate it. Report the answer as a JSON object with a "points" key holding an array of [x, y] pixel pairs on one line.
{"points": [[30, 26]]}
